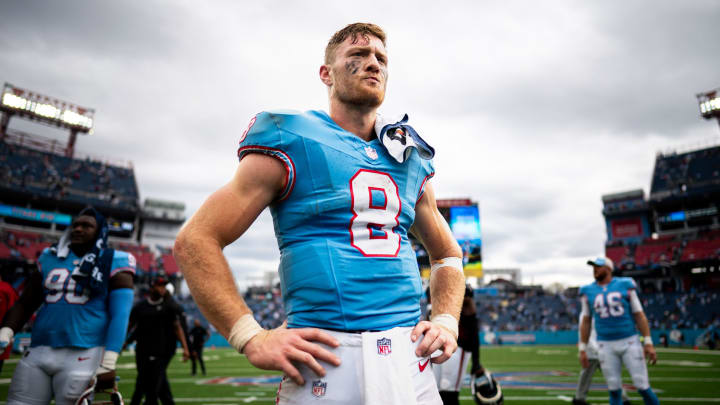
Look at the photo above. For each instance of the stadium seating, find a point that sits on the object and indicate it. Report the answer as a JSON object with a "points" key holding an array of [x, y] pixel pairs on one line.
{"points": [[695, 170], [58, 177], [655, 252]]}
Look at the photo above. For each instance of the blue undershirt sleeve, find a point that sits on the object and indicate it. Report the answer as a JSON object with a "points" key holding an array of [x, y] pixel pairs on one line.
{"points": [[119, 306]]}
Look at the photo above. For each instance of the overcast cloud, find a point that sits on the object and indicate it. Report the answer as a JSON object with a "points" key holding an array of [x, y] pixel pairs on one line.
{"points": [[535, 109]]}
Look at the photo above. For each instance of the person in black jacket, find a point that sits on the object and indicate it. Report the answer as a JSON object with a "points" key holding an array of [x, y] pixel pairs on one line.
{"points": [[155, 325], [450, 375], [198, 336]]}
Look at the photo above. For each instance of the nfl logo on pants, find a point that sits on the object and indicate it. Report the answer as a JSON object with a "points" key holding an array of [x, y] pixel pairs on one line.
{"points": [[318, 388], [384, 346]]}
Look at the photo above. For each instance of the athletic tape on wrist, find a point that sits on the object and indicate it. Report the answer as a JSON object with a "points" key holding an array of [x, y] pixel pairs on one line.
{"points": [[454, 262], [447, 321], [582, 347], [647, 340], [244, 329], [109, 360], [6, 336]]}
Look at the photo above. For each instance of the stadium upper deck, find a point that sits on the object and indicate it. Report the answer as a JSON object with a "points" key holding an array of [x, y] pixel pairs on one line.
{"points": [[29, 172], [674, 235]]}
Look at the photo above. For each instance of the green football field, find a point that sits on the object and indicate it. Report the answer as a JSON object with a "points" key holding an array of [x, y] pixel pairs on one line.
{"points": [[529, 375]]}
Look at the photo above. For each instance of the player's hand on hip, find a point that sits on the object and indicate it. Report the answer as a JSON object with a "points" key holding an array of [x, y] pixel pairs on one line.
{"points": [[282, 349], [650, 354], [434, 337], [584, 362]]}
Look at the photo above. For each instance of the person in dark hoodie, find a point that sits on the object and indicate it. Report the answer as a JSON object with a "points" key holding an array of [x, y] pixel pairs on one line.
{"points": [[84, 291]]}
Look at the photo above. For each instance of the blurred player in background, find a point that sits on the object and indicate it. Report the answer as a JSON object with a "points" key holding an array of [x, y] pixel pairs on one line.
{"points": [[344, 189], [85, 292], [155, 325], [586, 375], [613, 304], [451, 374], [198, 336]]}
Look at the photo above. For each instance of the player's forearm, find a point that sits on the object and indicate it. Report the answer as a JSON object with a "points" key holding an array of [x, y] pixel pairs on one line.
{"points": [[642, 323], [210, 280], [585, 330], [447, 288]]}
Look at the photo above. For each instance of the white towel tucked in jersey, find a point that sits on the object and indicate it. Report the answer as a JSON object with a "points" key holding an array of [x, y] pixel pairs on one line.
{"points": [[399, 138], [387, 364]]}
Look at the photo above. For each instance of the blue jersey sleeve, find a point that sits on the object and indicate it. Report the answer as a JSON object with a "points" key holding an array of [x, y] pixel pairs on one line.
{"points": [[122, 261], [628, 284], [264, 135], [427, 172]]}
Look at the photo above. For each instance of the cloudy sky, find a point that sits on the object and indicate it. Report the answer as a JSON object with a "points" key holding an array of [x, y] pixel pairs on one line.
{"points": [[535, 109]]}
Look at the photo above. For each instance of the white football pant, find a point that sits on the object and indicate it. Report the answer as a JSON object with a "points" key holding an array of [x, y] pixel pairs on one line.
{"points": [[377, 368], [45, 372], [614, 353]]}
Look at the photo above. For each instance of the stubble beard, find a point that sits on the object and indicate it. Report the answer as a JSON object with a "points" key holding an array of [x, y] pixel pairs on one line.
{"points": [[358, 96]]}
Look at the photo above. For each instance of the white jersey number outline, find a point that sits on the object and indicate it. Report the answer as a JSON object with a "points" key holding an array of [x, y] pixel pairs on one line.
{"points": [[372, 227], [55, 283], [614, 305]]}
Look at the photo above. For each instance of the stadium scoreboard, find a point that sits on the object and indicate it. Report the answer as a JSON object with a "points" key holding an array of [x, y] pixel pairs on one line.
{"points": [[463, 216], [36, 106]]}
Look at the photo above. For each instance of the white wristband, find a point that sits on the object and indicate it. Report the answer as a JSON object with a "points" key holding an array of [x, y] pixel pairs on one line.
{"points": [[108, 363], [647, 340], [244, 329], [447, 321], [582, 347], [454, 262]]}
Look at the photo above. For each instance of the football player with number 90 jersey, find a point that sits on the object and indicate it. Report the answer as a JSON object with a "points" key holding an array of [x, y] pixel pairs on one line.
{"points": [[613, 304], [84, 291]]}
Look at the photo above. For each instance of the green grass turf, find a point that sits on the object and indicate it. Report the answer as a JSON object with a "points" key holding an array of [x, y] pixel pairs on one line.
{"points": [[681, 376]]}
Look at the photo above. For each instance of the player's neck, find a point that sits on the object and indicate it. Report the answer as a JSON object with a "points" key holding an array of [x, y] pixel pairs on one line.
{"points": [[357, 120]]}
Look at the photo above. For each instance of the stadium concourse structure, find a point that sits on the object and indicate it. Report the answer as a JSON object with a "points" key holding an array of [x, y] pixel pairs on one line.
{"points": [[44, 182]]}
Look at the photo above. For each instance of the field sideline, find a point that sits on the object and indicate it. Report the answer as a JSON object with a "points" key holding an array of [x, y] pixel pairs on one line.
{"points": [[530, 375]]}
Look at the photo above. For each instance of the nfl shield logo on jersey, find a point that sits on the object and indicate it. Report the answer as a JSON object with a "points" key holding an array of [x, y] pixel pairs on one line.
{"points": [[371, 152], [318, 388], [384, 346]]}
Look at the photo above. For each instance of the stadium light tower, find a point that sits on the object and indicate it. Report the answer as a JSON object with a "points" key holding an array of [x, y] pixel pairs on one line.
{"points": [[710, 104], [48, 110]]}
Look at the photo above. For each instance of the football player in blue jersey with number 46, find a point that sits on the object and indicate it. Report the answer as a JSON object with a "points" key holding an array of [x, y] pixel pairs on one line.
{"points": [[344, 189], [613, 304], [84, 291]]}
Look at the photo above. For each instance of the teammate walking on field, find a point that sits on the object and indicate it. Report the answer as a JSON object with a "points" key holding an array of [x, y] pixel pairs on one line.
{"points": [[344, 188], [613, 304]]}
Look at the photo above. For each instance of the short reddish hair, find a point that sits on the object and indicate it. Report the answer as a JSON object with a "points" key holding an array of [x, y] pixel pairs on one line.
{"points": [[352, 30]]}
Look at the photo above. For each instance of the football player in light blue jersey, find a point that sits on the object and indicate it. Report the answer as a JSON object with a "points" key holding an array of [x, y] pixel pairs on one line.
{"points": [[344, 188], [615, 308], [84, 291]]}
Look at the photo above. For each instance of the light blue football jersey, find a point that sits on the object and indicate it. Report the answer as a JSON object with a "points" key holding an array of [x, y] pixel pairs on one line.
{"points": [[610, 308], [341, 223], [69, 317]]}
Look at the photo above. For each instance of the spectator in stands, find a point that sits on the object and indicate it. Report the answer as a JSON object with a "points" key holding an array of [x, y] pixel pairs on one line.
{"points": [[198, 336], [8, 296]]}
